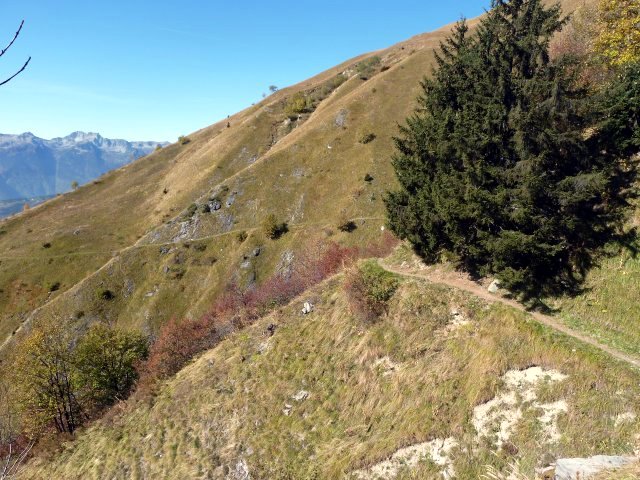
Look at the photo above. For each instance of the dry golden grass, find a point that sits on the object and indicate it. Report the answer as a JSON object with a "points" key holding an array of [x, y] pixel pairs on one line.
{"points": [[228, 406]]}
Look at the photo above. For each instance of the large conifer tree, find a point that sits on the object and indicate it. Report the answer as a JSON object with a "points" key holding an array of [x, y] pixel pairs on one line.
{"points": [[498, 167]]}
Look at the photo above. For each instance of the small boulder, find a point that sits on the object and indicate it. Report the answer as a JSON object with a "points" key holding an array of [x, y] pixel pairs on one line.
{"points": [[585, 468], [494, 287], [300, 396], [307, 308]]}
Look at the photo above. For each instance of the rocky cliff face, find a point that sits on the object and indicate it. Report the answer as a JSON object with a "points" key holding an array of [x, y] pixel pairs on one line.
{"points": [[31, 166]]}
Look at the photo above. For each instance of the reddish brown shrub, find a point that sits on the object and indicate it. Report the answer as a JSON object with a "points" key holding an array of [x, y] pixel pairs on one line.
{"points": [[179, 341], [381, 248]]}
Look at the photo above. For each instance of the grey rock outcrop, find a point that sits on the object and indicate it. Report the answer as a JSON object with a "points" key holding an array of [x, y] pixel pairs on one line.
{"points": [[585, 468]]}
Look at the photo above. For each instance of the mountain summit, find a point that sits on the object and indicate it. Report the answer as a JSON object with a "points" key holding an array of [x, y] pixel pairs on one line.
{"points": [[31, 166]]}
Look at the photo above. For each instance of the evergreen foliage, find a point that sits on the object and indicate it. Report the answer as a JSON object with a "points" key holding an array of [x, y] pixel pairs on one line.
{"points": [[498, 166]]}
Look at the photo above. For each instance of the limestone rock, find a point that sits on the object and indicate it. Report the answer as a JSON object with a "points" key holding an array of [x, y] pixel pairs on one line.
{"points": [[585, 468], [494, 287]]}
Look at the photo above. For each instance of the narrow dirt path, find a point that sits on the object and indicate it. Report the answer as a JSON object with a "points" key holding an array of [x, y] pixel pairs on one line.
{"points": [[464, 283]]}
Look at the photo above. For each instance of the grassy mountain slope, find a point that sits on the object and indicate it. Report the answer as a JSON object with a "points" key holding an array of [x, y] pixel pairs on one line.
{"points": [[131, 231], [327, 396], [107, 235]]}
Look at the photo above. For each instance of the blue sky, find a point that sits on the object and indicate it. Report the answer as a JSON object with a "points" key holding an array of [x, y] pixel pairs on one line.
{"points": [[153, 70]]}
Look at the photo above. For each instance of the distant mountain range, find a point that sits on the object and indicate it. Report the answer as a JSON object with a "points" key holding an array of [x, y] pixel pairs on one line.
{"points": [[34, 167]]}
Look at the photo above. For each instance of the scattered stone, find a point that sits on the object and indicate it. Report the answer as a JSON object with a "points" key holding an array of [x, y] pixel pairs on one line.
{"points": [[164, 250], [546, 473], [585, 468], [458, 320], [437, 451], [626, 417], [241, 471], [387, 365], [301, 396], [307, 308], [341, 118], [215, 205], [287, 409], [498, 417], [494, 287], [271, 329], [231, 199], [257, 251]]}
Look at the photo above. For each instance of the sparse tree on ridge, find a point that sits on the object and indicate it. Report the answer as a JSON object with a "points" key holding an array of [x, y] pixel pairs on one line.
{"points": [[4, 50]]}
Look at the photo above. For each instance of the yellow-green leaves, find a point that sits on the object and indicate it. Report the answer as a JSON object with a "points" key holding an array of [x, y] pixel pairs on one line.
{"points": [[619, 37]]}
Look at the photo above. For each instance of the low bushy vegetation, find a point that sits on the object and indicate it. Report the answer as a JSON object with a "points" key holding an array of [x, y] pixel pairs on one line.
{"points": [[273, 228], [180, 340], [347, 225], [369, 288], [367, 138], [59, 382], [298, 104], [367, 68]]}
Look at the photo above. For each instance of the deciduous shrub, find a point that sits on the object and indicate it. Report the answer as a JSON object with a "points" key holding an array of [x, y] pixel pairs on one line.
{"points": [[367, 138], [347, 225], [367, 68], [183, 140], [106, 360], [45, 387], [105, 294], [273, 228], [369, 288], [61, 381], [297, 104], [179, 341], [242, 236], [190, 211]]}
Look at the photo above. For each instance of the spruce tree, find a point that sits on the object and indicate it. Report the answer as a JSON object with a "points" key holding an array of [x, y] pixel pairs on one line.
{"points": [[498, 169]]}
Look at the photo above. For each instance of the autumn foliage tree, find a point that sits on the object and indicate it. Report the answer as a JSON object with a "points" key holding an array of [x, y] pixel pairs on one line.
{"points": [[60, 377], [105, 361], [44, 379], [619, 37]]}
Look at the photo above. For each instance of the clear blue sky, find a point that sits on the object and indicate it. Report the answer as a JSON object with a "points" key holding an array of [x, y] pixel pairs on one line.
{"points": [[153, 70]]}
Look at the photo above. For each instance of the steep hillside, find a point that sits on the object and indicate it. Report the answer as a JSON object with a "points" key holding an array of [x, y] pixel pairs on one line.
{"points": [[152, 235], [126, 232], [444, 383]]}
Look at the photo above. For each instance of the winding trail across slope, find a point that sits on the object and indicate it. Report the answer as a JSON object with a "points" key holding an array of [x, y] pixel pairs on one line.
{"points": [[464, 283]]}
